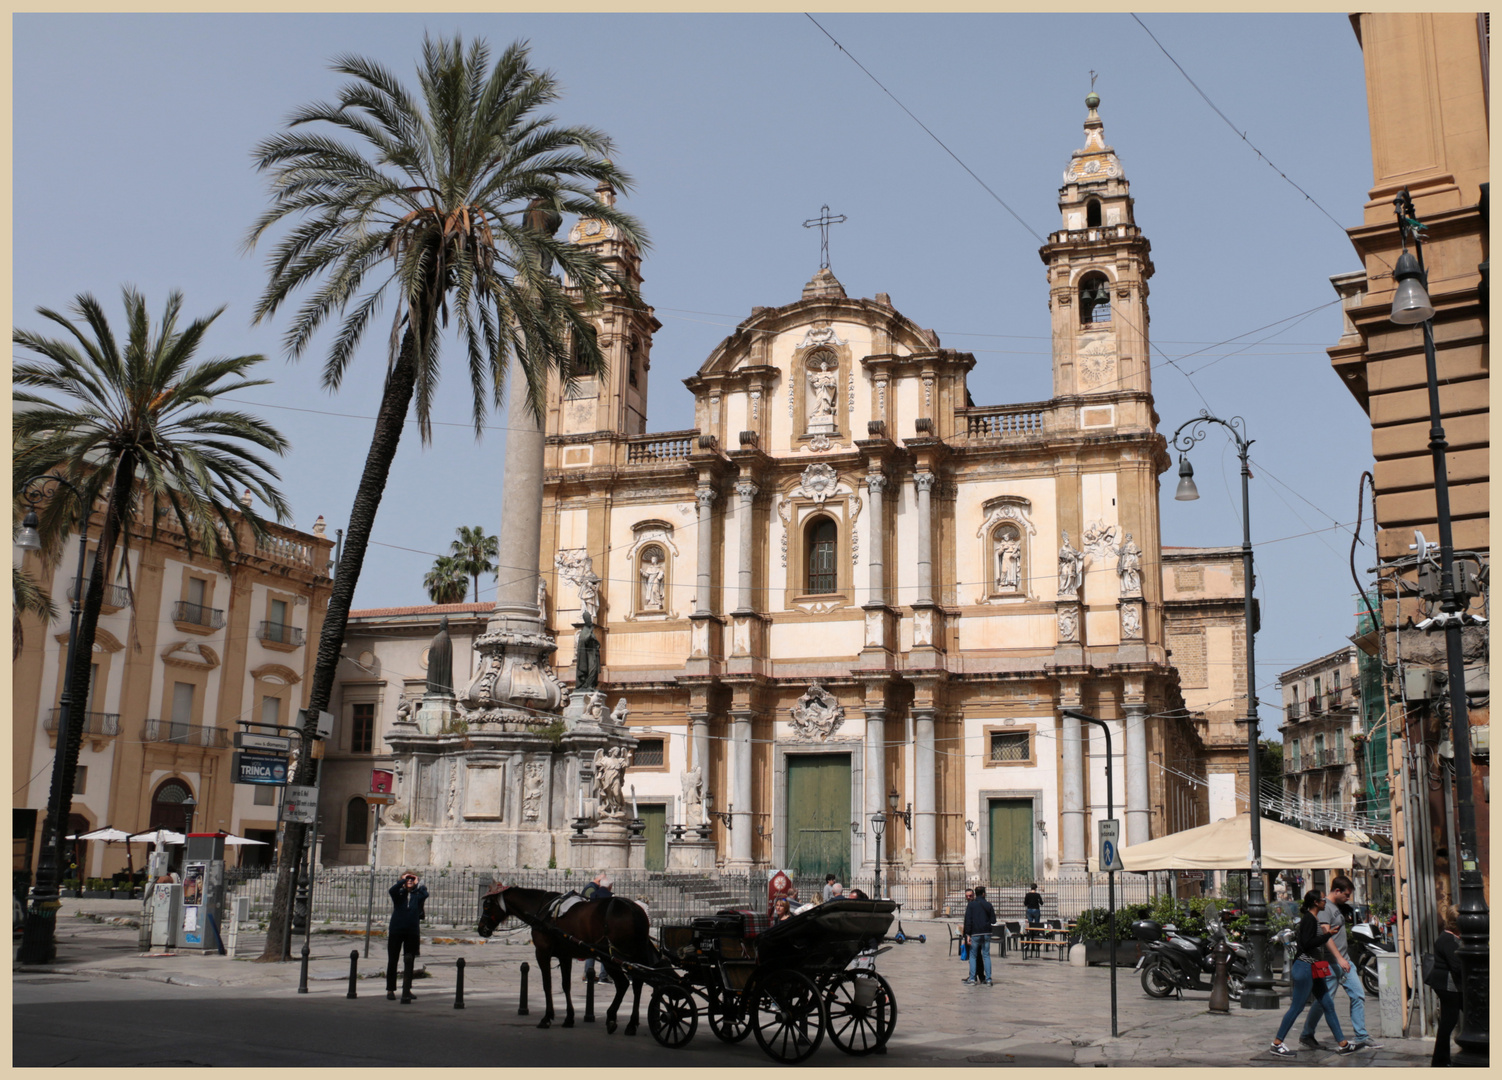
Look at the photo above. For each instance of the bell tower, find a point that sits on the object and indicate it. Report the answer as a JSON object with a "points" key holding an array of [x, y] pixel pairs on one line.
{"points": [[615, 402], [1098, 266]]}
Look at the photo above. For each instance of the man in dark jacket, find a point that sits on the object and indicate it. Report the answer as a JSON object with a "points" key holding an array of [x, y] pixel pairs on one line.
{"points": [[405, 934], [980, 916]]}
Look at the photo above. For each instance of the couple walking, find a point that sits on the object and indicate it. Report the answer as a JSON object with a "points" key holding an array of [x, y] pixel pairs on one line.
{"points": [[1323, 963], [980, 916]]}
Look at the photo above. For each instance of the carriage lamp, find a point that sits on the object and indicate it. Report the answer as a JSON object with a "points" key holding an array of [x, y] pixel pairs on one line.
{"points": [[970, 828], [878, 828], [855, 828], [893, 812], [189, 805], [724, 815]]}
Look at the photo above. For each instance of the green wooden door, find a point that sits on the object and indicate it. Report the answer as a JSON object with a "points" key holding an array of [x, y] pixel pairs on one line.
{"points": [[1011, 840], [656, 817], [818, 839]]}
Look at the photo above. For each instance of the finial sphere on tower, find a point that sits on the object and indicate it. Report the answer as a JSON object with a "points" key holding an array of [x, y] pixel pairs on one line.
{"points": [[1092, 100]]}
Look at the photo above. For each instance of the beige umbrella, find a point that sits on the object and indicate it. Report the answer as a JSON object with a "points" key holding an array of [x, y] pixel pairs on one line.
{"points": [[1227, 845]]}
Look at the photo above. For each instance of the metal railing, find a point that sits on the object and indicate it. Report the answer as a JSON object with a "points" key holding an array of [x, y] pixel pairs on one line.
{"points": [[281, 633], [198, 615], [672, 446], [1004, 422], [1293, 710], [94, 723], [115, 596], [168, 731], [1063, 898]]}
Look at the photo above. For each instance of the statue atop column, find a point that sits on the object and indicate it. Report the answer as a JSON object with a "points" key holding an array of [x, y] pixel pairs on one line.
{"points": [[693, 796], [586, 657], [441, 662]]}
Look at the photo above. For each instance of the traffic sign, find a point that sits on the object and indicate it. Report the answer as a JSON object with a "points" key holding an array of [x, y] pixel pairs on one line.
{"points": [[1110, 839], [275, 744], [260, 768], [380, 798], [300, 803]]}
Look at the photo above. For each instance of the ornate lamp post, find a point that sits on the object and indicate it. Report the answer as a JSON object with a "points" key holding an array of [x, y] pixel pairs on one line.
{"points": [[190, 804], [1411, 304], [1259, 993], [878, 827], [38, 944]]}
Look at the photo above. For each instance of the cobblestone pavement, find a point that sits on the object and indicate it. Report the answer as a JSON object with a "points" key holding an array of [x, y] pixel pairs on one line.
{"points": [[1039, 1012]]}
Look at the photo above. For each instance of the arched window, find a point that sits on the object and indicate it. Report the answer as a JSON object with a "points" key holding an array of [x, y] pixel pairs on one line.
{"points": [[356, 821], [1092, 214], [167, 806], [652, 579], [822, 535], [1007, 559], [1095, 299]]}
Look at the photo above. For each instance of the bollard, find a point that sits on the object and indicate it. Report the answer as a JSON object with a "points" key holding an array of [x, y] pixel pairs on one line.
{"points": [[302, 981], [589, 997], [1220, 988], [354, 970], [521, 1009], [459, 984], [407, 998]]}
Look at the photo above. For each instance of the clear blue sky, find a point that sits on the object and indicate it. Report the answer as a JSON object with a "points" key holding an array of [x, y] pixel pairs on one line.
{"points": [[132, 140]]}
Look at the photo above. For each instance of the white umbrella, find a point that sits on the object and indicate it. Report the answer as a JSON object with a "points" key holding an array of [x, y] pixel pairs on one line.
{"points": [[108, 835], [163, 836], [1226, 845], [231, 840]]}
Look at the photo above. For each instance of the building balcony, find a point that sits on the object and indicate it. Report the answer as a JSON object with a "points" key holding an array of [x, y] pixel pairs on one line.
{"points": [[667, 448], [167, 731], [96, 724], [195, 618], [280, 635], [1294, 710], [115, 596], [1341, 700]]}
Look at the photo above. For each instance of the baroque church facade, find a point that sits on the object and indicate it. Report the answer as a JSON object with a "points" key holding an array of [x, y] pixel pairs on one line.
{"points": [[848, 589]]}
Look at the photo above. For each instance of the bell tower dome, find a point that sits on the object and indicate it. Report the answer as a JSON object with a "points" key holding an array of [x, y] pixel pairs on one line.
{"points": [[1098, 265]]}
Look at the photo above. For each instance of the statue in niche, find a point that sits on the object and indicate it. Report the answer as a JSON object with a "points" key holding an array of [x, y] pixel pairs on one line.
{"points": [[1129, 567], [1009, 561], [441, 661], [693, 796], [610, 777], [653, 577], [1071, 568], [532, 791], [586, 657], [825, 387]]}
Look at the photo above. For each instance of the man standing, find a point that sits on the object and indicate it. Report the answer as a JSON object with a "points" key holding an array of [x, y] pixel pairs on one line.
{"points": [[828, 886], [405, 934], [1336, 916], [1032, 903], [980, 916]]}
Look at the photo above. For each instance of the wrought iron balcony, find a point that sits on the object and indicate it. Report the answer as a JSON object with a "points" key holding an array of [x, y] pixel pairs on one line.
{"points": [[198, 615], [167, 731], [94, 723], [280, 633], [1293, 710], [115, 596]]}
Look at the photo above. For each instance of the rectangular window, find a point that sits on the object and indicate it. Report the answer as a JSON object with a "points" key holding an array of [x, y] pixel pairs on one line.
{"points": [[80, 779], [648, 754], [265, 795], [279, 612], [1011, 746], [197, 587], [362, 727], [182, 708], [271, 711]]}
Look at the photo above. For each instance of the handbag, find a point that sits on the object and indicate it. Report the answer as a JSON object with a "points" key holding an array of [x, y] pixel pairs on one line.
{"points": [[1320, 969], [964, 950]]}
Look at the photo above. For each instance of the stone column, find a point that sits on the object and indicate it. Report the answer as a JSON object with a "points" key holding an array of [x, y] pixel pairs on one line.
{"points": [[1072, 814], [747, 492], [705, 496], [699, 735], [743, 822], [1138, 815], [521, 495], [924, 481], [876, 550], [875, 794], [925, 813]]}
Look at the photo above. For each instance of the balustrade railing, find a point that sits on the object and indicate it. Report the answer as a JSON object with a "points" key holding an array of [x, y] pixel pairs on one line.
{"points": [[198, 615], [94, 723], [116, 596], [280, 633], [1004, 422], [169, 731], [651, 449]]}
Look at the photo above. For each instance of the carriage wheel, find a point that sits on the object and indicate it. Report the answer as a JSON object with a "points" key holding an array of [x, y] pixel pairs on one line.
{"points": [[672, 1016], [862, 1011], [787, 1016], [727, 1016]]}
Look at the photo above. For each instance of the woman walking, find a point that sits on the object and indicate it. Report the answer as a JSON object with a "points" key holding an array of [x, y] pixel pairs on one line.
{"points": [[1445, 982], [1309, 979]]}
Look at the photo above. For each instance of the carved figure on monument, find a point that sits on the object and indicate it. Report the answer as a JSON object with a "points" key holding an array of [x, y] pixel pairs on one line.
{"points": [[542, 596], [610, 776], [589, 594], [653, 574], [1131, 622], [1009, 561], [396, 813], [1129, 567], [824, 385], [594, 706], [576, 567], [693, 796], [1100, 539], [586, 656], [817, 713], [1068, 624], [1071, 568], [404, 711], [532, 790], [543, 218], [620, 712], [441, 661]]}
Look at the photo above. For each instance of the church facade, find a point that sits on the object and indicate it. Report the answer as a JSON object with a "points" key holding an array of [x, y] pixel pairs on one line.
{"points": [[849, 590]]}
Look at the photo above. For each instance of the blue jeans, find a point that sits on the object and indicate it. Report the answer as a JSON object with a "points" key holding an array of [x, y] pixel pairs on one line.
{"points": [[1034, 916], [980, 955], [1351, 982], [1306, 985]]}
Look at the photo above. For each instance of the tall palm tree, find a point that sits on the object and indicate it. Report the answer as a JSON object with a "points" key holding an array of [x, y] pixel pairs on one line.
{"points": [[134, 425], [448, 581], [431, 202], [476, 553], [26, 597]]}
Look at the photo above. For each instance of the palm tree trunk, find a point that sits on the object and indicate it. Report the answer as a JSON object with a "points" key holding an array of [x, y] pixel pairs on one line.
{"points": [[390, 421]]}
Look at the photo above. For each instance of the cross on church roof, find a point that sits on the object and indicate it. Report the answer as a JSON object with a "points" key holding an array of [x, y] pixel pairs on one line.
{"points": [[823, 221]]}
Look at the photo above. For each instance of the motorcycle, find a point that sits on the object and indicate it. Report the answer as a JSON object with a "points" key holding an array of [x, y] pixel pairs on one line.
{"points": [[1177, 962], [1365, 947]]}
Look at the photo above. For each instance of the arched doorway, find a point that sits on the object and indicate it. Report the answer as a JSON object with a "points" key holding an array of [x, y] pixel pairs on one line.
{"points": [[167, 810]]}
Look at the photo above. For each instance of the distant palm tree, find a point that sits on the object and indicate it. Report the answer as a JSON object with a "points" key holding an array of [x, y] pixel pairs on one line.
{"points": [[448, 581], [135, 425], [26, 597], [476, 553], [444, 205]]}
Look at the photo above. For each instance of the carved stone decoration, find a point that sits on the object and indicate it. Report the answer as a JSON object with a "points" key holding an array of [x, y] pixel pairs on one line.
{"points": [[1100, 540], [873, 629], [1129, 567], [1069, 624], [594, 707], [576, 567], [819, 443], [1071, 568], [610, 775], [923, 627], [820, 335], [755, 405], [693, 796], [1097, 359], [532, 782], [819, 482], [398, 811], [823, 393], [1131, 621], [450, 811], [404, 709], [620, 712], [818, 714]]}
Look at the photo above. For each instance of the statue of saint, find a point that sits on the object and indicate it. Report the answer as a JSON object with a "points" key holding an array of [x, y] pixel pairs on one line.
{"points": [[1071, 568], [441, 661], [586, 656], [1009, 562], [653, 573], [693, 796], [824, 384], [610, 777], [1129, 567], [589, 594]]}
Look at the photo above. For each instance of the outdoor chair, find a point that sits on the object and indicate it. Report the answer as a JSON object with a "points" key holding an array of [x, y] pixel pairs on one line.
{"points": [[954, 936]]}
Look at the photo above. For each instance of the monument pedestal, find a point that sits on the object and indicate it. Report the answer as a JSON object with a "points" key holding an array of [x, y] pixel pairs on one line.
{"points": [[604, 847], [691, 853], [637, 855]]}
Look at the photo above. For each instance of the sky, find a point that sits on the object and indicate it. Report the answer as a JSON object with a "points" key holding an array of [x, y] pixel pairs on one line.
{"points": [[133, 137]]}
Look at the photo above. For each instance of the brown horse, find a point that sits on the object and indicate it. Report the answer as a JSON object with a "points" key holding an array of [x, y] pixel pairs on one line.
{"points": [[609, 931]]}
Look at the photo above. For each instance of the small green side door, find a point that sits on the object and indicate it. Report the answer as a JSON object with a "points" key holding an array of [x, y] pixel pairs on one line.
{"points": [[1011, 840], [656, 817], [818, 815]]}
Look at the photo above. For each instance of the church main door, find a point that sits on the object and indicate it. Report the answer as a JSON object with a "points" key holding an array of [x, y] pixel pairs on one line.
{"points": [[818, 840], [1011, 840]]}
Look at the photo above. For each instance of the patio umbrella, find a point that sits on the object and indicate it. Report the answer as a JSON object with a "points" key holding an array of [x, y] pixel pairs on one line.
{"points": [[231, 840], [110, 836], [1227, 845], [163, 836]]}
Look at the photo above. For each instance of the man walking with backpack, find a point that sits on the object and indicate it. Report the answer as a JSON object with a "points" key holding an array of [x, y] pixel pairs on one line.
{"points": [[980, 916]]}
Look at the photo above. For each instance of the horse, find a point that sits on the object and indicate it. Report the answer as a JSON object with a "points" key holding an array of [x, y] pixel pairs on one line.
{"points": [[617, 929]]}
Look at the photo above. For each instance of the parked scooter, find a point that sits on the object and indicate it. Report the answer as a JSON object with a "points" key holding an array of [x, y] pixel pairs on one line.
{"points": [[1365, 947], [1175, 962]]}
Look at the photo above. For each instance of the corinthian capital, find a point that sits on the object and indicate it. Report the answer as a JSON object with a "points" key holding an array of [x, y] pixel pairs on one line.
{"points": [[925, 481], [705, 496], [746, 489]]}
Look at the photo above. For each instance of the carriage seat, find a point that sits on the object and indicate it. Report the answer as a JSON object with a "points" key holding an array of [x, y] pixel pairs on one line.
{"points": [[560, 906]]}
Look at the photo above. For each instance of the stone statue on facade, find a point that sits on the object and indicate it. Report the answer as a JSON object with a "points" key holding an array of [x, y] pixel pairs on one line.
{"points": [[693, 796], [1069, 625], [1129, 567], [620, 712], [532, 783], [1131, 622], [586, 656], [824, 385], [1009, 562], [441, 661], [1071, 568], [817, 713], [610, 777], [653, 574]]}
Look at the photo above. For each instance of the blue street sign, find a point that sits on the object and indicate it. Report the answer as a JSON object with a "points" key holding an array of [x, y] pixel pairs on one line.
{"points": [[260, 769]]}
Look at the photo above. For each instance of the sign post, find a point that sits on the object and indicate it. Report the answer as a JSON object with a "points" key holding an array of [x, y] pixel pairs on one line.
{"points": [[1111, 828]]}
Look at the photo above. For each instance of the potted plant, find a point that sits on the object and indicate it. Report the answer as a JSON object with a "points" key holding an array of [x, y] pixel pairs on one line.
{"points": [[1092, 929]]}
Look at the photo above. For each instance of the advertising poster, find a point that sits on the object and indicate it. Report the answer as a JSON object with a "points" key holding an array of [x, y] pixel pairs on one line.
{"points": [[193, 875]]}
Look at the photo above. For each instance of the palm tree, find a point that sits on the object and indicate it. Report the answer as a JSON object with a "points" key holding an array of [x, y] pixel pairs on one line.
{"points": [[476, 553], [26, 597], [134, 425], [442, 204], [448, 581]]}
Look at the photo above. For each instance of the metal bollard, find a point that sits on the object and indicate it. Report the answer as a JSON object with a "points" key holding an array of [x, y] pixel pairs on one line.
{"points": [[521, 1009], [459, 984], [407, 978], [589, 997], [302, 981], [354, 971]]}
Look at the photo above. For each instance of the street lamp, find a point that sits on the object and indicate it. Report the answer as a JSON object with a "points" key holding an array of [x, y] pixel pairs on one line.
{"points": [[190, 804], [38, 945], [878, 827], [1411, 304], [1259, 992]]}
